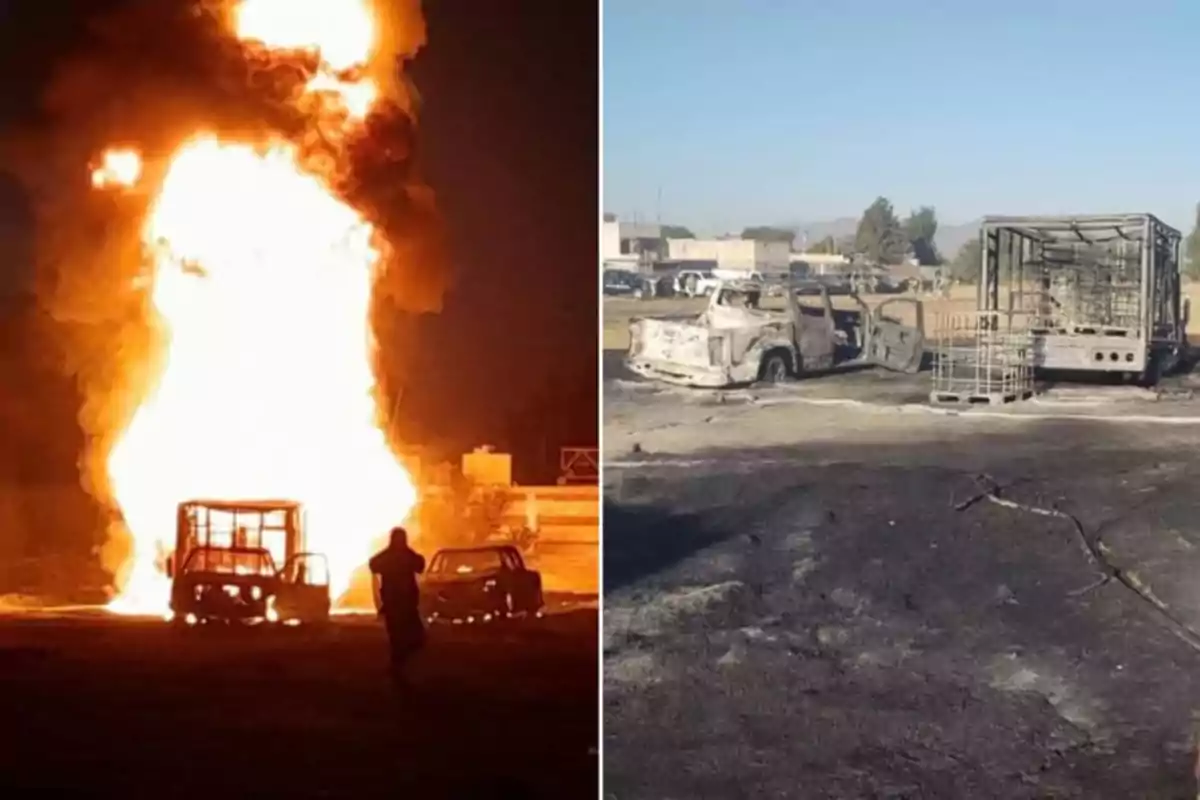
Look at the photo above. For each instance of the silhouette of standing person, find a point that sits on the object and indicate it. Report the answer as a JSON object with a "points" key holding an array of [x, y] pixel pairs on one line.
{"points": [[395, 571]]}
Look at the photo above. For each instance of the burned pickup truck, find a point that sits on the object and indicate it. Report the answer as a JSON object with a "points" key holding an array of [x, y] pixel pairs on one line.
{"points": [[224, 565], [735, 341]]}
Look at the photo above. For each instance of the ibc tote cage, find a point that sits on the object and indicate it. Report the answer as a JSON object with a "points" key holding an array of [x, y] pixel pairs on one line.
{"points": [[981, 358]]}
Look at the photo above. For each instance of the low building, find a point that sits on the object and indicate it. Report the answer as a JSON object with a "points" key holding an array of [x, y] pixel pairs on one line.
{"points": [[733, 255], [819, 263], [485, 467], [631, 244]]}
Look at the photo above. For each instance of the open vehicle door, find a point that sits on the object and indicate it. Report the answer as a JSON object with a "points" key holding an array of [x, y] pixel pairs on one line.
{"points": [[304, 589], [814, 332], [890, 343], [525, 584]]}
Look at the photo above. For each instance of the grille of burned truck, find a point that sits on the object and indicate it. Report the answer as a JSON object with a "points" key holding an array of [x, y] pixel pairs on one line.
{"points": [[219, 592]]}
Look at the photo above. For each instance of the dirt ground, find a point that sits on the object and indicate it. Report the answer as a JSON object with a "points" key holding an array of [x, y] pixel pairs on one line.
{"points": [[113, 707], [818, 591]]}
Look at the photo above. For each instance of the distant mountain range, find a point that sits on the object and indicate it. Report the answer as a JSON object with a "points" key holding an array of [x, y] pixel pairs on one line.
{"points": [[949, 238]]}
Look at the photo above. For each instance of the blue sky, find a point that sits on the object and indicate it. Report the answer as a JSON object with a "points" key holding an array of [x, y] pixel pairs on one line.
{"points": [[752, 111]]}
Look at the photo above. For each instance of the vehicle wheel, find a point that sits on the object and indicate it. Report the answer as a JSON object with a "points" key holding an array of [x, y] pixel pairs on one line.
{"points": [[775, 368]]}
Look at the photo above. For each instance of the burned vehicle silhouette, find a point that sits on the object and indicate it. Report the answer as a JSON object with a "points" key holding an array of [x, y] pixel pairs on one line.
{"points": [[737, 341], [224, 567], [479, 584]]}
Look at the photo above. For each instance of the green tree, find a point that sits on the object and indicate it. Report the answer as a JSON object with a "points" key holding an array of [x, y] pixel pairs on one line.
{"points": [[769, 233], [1191, 250], [880, 236], [826, 246], [920, 229], [966, 264], [610, 217], [677, 232]]}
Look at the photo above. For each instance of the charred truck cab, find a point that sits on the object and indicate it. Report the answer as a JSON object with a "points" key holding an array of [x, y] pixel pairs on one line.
{"points": [[224, 567]]}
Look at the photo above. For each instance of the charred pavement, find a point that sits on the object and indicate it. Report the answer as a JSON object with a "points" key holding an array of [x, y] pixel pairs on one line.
{"points": [[875, 605]]}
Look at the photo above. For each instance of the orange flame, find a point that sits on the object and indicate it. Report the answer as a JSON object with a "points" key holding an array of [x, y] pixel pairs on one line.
{"points": [[263, 279], [118, 168]]}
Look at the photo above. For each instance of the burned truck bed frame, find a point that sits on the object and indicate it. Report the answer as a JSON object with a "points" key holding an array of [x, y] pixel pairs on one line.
{"points": [[297, 588], [1093, 293]]}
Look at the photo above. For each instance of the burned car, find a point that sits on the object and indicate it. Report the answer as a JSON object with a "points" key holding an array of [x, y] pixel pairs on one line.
{"points": [[479, 584], [735, 341], [224, 564]]}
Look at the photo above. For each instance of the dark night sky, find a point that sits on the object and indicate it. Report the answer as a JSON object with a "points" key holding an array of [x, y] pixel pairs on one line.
{"points": [[508, 139]]}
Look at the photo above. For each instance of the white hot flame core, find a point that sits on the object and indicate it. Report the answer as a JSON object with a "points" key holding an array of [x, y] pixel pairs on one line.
{"points": [[263, 279]]}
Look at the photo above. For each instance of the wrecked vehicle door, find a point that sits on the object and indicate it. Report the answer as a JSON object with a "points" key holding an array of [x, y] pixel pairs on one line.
{"points": [[891, 343], [303, 594], [816, 334]]}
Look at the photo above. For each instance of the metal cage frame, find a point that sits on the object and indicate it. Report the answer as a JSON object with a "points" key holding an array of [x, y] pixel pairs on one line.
{"points": [[1099, 292]]}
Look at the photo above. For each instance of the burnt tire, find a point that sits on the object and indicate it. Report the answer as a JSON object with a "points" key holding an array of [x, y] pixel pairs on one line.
{"points": [[775, 368]]}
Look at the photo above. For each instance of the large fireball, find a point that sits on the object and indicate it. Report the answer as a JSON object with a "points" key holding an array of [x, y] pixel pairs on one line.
{"points": [[262, 278]]}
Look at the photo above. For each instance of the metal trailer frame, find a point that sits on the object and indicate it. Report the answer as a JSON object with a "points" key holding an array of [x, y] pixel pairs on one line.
{"points": [[1101, 293], [194, 527]]}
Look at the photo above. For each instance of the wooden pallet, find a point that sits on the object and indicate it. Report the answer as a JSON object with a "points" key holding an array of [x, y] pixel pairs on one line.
{"points": [[974, 399]]}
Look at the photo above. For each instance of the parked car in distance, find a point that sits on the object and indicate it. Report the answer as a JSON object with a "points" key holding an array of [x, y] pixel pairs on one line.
{"points": [[621, 282], [695, 282]]}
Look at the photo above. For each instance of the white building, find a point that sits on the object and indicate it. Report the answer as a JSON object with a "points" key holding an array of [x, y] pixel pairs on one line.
{"points": [[820, 263], [631, 243], [733, 255]]}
